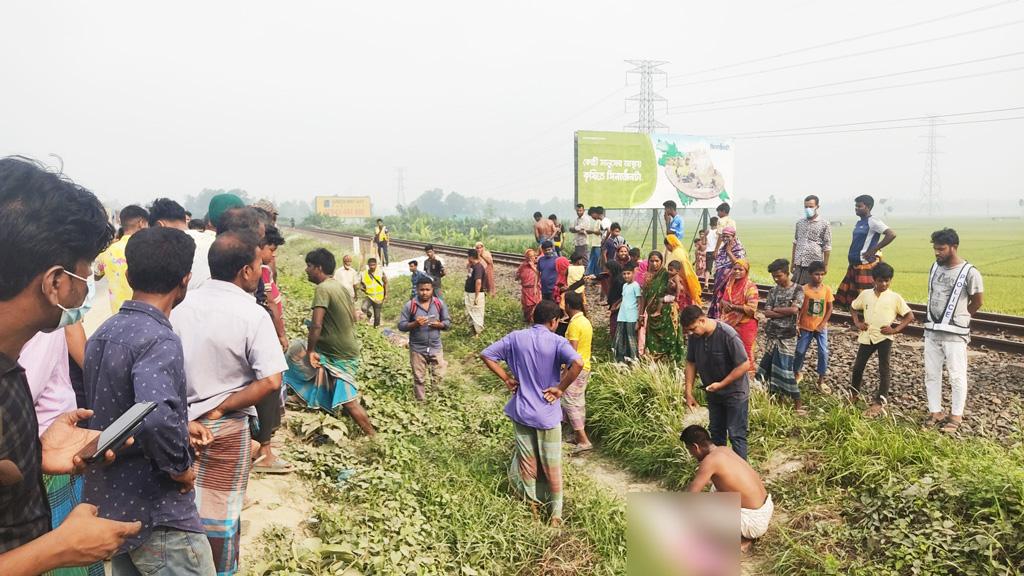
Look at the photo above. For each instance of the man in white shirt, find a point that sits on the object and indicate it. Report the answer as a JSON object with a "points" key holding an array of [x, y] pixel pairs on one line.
{"points": [[347, 275], [579, 229], [232, 360], [169, 214]]}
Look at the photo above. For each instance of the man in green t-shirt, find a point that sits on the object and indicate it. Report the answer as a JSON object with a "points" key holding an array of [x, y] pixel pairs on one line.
{"points": [[322, 370]]}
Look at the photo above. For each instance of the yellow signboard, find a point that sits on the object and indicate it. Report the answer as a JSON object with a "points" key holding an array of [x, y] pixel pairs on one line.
{"points": [[344, 206]]}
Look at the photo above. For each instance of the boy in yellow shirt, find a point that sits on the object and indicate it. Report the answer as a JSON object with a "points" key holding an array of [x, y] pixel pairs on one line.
{"points": [[112, 263], [874, 313], [580, 334]]}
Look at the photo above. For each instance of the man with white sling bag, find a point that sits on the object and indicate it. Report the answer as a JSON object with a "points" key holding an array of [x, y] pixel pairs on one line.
{"points": [[954, 296]]}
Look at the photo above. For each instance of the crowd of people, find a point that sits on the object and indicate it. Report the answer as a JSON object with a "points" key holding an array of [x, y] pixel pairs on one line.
{"points": [[197, 329]]}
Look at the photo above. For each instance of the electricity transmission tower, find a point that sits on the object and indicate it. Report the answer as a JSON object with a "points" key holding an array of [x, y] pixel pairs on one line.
{"points": [[400, 186], [647, 98], [931, 201]]}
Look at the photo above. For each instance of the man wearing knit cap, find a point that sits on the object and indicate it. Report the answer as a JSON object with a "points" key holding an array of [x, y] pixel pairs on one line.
{"points": [[267, 207], [219, 204]]}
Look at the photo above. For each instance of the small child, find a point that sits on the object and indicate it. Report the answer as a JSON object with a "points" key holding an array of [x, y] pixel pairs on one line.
{"points": [[700, 251], [814, 316], [709, 249], [874, 311], [576, 273], [781, 309], [629, 313]]}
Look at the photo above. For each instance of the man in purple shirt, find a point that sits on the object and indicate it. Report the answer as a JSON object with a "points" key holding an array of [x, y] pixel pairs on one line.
{"points": [[548, 270], [135, 356], [535, 357]]}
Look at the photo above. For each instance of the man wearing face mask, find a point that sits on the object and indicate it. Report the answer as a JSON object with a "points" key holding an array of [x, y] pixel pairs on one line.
{"points": [[51, 230], [232, 361], [135, 356], [812, 241]]}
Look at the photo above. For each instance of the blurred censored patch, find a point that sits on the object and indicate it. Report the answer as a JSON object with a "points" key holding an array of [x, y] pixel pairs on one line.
{"points": [[683, 534]]}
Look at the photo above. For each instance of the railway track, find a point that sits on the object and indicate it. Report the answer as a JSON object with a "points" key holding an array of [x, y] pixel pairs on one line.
{"points": [[989, 331]]}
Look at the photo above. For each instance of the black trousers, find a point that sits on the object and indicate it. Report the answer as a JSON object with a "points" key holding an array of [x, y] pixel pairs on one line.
{"points": [[864, 352], [268, 413]]}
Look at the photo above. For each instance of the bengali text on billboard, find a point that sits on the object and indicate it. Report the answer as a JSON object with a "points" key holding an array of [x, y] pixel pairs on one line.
{"points": [[344, 206]]}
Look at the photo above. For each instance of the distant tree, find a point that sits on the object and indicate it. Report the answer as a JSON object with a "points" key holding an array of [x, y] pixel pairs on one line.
{"points": [[770, 206], [753, 206]]}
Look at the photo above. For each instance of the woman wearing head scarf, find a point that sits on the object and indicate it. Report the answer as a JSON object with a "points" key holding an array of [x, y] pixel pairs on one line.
{"points": [[488, 261], [529, 280], [663, 339], [689, 283], [730, 251], [562, 271], [615, 283], [738, 306]]}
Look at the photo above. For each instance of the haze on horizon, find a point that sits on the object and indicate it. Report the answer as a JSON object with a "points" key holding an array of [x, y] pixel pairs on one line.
{"points": [[292, 101]]}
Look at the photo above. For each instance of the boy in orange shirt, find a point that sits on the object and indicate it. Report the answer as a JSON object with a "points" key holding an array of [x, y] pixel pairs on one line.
{"points": [[813, 323]]}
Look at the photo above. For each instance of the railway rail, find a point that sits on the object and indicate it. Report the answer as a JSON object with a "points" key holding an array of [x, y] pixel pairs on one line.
{"points": [[989, 331]]}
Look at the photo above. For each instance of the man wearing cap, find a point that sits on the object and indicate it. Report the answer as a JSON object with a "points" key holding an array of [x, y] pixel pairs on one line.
{"points": [[219, 204], [268, 208]]}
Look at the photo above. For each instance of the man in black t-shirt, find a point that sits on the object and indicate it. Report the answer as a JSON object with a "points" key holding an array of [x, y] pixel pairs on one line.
{"points": [[476, 286], [715, 352], [435, 269]]}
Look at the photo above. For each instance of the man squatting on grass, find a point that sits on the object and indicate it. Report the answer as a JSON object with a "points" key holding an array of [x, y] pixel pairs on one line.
{"points": [[535, 357], [730, 473]]}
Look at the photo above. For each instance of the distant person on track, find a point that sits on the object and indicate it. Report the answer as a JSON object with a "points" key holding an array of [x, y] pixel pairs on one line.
{"points": [[232, 361], [874, 312], [738, 307], [731, 250], [782, 307], [435, 269], [529, 283], [112, 264], [579, 233], [424, 317], [870, 235], [323, 370], [535, 357], [715, 353], [135, 356], [348, 276], [488, 261], [374, 285], [51, 230], [730, 473], [381, 240], [580, 334], [543, 229], [813, 323], [812, 241], [955, 292], [475, 292]]}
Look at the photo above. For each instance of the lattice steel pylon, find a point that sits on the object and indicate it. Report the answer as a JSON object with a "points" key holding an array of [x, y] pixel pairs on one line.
{"points": [[647, 98], [931, 188], [400, 185]]}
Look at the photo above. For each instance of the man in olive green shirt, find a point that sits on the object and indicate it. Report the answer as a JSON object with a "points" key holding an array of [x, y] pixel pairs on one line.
{"points": [[332, 346]]}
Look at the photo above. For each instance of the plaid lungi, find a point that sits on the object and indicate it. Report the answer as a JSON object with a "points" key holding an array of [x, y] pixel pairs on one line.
{"points": [[222, 476], [536, 468], [64, 493], [776, 368], [336, 388], [574, 401], [626, 347], [858, 278]]}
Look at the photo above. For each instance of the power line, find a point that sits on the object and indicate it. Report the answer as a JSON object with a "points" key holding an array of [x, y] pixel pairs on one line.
{"points": [[853, 38], [866, 122], [844, 56], [855, 80], [848, 92], [879, 128]]}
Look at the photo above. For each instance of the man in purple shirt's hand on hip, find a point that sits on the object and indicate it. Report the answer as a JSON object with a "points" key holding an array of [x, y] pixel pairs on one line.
{"points": [[135, 356], [535, 357]]}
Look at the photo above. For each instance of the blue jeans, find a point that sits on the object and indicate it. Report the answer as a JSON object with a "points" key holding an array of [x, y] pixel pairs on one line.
{"points": [[728, 417], [803, 344], [594, 264], [167, 551]]}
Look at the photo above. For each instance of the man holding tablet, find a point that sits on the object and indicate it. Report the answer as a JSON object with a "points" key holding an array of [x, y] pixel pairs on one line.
{"points": [[135, 356]]}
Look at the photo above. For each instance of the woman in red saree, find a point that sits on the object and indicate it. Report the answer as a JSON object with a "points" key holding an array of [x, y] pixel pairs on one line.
{"points": [[529, 280], [738, 306]]}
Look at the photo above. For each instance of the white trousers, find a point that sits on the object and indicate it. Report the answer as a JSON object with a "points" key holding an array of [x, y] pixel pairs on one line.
{"points": [[954, 356]]}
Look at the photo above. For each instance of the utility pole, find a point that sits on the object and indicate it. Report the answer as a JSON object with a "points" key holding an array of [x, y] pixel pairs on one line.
{"points": [[400, 186], [931, 189], [646, 123]]}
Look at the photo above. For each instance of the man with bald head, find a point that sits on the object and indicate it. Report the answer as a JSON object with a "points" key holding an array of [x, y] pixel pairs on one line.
{"points": [[232, 361]]}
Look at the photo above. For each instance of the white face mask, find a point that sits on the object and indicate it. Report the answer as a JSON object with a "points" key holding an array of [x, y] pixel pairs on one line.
{"points": [[810, 212]]}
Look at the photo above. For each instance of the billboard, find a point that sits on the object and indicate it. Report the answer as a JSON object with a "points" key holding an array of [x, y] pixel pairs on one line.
{"points": [[620, 170], [344, 206]]}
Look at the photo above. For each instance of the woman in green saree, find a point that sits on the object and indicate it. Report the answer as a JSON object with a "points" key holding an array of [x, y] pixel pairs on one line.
{"points": [[664, 339]]}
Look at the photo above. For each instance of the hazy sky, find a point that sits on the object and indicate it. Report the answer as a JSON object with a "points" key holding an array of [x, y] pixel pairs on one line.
{"points": [[291, 100]]}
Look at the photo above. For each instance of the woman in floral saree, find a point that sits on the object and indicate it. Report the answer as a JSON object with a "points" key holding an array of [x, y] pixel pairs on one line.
{"points": [[664, 337]]}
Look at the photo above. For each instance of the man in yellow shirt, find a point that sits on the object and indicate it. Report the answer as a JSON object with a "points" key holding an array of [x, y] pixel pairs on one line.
{"points": [[874, 313], [112, 263], [580, 334]]}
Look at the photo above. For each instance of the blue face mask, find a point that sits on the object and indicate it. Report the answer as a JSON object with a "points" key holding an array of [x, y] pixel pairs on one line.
{"points": [[809, 212], [75, 315]]}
